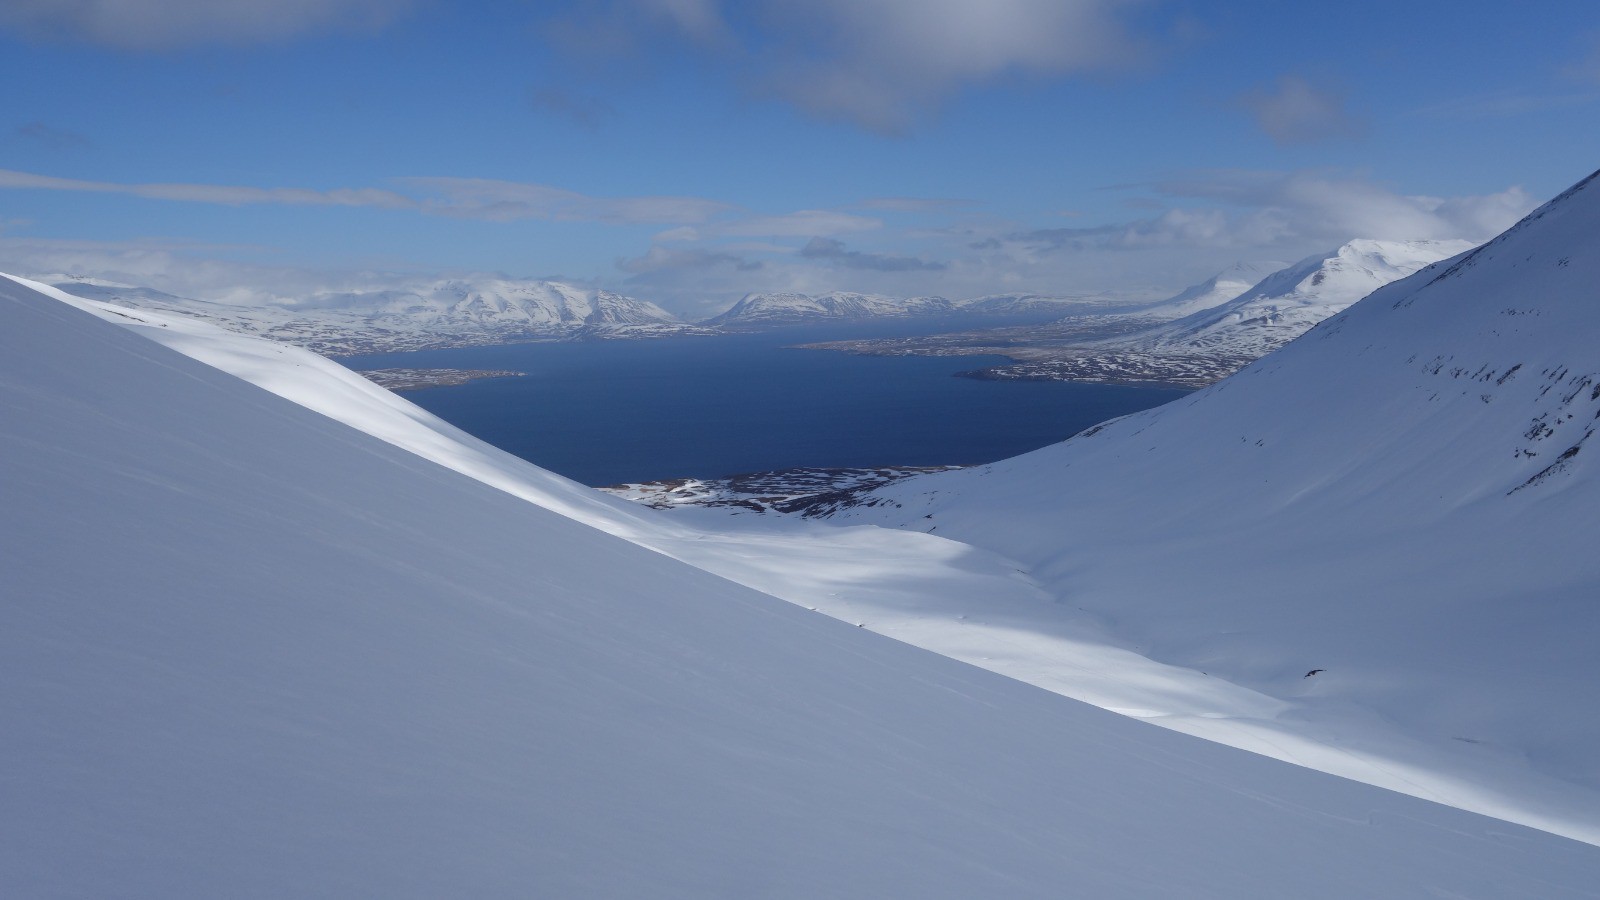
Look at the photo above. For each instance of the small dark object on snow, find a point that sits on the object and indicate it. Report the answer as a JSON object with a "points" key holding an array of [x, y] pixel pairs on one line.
{"points": [[1313, 672]]}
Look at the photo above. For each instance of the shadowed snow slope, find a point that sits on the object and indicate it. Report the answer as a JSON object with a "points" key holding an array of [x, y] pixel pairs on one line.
{"points": [[249, 651], [1403, 502]]}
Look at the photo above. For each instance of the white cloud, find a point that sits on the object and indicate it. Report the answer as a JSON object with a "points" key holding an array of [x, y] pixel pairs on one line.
{"points": [[803, 223], [1201, 222], [186, 268], [213, 193], [693, 218], [167, 24], [1298, 112], [580, 109], [1282, 214], [1279, 207], [836, 253], [916, 204], [882, 64], [661, 259], [482, 198], [1209, 220], [701, 20], [475, 198]]}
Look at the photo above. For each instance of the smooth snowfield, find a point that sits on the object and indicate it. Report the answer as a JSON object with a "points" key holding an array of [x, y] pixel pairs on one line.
{"points": [[248, 650]]}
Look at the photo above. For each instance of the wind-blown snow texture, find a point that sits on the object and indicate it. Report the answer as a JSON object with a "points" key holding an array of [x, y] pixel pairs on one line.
{"points": [[248, 650], [1403, 501]]}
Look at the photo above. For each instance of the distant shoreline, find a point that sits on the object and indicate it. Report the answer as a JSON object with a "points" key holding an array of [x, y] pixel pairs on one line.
{"points": [[399, 380]]}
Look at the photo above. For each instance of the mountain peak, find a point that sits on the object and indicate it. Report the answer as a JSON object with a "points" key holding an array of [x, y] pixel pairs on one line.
{"points": [[1287, 303]]}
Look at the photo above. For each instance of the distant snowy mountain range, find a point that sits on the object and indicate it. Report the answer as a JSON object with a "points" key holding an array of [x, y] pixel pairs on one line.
{"points": [[422, 315], [788, 308], [432, 313], [1194, 338], [766, 310]]}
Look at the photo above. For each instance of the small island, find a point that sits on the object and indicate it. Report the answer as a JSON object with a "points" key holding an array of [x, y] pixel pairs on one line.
{"points": [[417, 379]]}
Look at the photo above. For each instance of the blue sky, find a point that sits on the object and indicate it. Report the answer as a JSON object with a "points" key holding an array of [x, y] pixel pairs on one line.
{"points": [[688, 151]]}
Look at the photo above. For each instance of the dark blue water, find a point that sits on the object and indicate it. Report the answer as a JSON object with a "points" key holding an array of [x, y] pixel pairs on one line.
{"points": [[617, 411]]}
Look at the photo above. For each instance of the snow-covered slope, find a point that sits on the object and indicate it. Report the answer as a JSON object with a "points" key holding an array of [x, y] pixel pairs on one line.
{"points": [[247, 650], [1387, 526], [759, 310], [415, 315], [1214, 291], [1285, 304]]}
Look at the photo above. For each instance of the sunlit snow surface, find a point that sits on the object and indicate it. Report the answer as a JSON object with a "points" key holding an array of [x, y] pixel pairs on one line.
{"points": [[255, 652]]}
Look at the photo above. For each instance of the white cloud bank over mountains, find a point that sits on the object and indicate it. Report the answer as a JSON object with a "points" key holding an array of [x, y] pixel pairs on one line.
{"points": [[709, 252]]}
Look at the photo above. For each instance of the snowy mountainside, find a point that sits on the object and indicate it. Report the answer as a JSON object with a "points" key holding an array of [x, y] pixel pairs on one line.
{"points": [[1197, 337], [422, 314], [760, 309], [1214, 291], [1222, 335], [497, 303], [1285, 304], [253, 651], [1389, 519]]}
